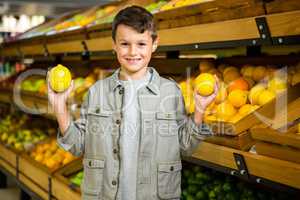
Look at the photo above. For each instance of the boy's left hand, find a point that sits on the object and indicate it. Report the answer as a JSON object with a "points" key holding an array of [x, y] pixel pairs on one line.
{"points": [[201, 102]]}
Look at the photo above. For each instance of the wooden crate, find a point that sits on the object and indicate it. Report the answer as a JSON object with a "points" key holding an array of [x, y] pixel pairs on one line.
{"points": [[266, 134], [62, 187], [9, 155], [278, 151], [270, 114], [242, 141], [277, 6]]}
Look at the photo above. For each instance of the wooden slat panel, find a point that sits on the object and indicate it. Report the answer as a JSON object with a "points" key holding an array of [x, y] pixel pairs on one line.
{"points": [[100, 44], [278, 6], [214, 32], [65, 47], [62, 191], [280, 171], [264, 133], [284, 24], [35, 171], [278, 151], [9, 51], [8, 155], [32, 49], [216, 154], [33, 187], [8, 167]]}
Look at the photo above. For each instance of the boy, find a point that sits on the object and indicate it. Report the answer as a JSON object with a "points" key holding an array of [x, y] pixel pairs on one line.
{"points": [[133, 124]]}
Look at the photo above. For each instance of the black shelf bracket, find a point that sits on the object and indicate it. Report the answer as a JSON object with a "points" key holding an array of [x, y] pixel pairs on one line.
{"points": [[3, 180], [241, 165], [85, 55], [46, 51], [264, 32]]}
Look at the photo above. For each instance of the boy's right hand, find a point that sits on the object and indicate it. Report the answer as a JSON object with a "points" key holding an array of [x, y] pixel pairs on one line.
{"points": [[58, 100]]}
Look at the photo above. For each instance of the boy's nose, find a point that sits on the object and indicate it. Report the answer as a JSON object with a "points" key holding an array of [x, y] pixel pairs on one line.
{"points": [[132, 50]]}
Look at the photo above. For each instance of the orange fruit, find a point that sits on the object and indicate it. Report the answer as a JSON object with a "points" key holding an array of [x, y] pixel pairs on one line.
{"points": [[231, 76], [238, 98], [238, 84], [60, 78], [266, 96], [259, 73], [230, 69], [205, 84], [206, 65], [224, 111], [247, 71], [255, 92]]}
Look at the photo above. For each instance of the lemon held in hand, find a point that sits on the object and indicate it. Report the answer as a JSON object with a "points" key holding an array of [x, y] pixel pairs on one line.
{"points": [[205, 84], [60, 78]]}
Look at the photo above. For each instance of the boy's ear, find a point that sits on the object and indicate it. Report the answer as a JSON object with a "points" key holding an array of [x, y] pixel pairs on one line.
{"points": [[154, 46]]}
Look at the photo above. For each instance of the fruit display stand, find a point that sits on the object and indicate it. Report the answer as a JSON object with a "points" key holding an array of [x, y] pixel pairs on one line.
{"points": [[38, 173], [62, 188]]}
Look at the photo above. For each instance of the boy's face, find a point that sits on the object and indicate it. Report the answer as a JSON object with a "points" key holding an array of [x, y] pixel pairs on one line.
{"points": [[133, 49]]}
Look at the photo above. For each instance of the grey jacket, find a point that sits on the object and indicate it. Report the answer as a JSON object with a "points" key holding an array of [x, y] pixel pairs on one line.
{"points": [[166, 133]]}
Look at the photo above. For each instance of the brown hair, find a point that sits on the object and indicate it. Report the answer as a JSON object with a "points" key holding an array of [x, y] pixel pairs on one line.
{"points": [[137, 18]]}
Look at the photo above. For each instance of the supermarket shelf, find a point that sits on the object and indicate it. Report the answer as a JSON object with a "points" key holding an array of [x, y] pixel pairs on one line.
{"points": [[260, 168], [279, 29]]}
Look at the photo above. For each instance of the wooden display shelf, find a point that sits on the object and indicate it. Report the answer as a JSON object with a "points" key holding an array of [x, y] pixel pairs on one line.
{"points": [[61, 185], [8, 155], [278, 151], [5, 95], [242, 141], [273, 169], [264, 133]]}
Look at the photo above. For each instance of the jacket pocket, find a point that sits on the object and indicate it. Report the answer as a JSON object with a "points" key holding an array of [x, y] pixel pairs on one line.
{"points": [[167, 123], [92, 184], [169, 179], [98, 121]]}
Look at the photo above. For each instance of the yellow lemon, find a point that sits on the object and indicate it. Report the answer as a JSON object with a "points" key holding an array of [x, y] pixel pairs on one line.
{"points": [[255, 92], [60, 78], [265, 97], [237, 98], [277, 84], [224, 111], [205, 84]]}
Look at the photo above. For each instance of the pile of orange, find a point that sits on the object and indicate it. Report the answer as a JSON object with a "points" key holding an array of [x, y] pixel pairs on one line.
{"points": [[50, 155]]}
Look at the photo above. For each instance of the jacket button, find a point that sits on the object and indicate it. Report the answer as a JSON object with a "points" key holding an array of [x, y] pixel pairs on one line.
{"points": [[118, 121], [171, 168], [114, 182], [115, 151]]}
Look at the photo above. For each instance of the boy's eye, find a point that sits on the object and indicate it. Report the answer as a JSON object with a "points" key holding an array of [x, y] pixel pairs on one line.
{"points": [[124, 43], [142, 44]]}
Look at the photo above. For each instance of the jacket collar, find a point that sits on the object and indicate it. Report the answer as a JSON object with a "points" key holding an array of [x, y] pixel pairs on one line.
{"points": [[153, 84]]}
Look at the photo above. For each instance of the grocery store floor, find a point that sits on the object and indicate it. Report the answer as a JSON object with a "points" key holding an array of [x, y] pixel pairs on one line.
{"points": [[12, 192]]}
